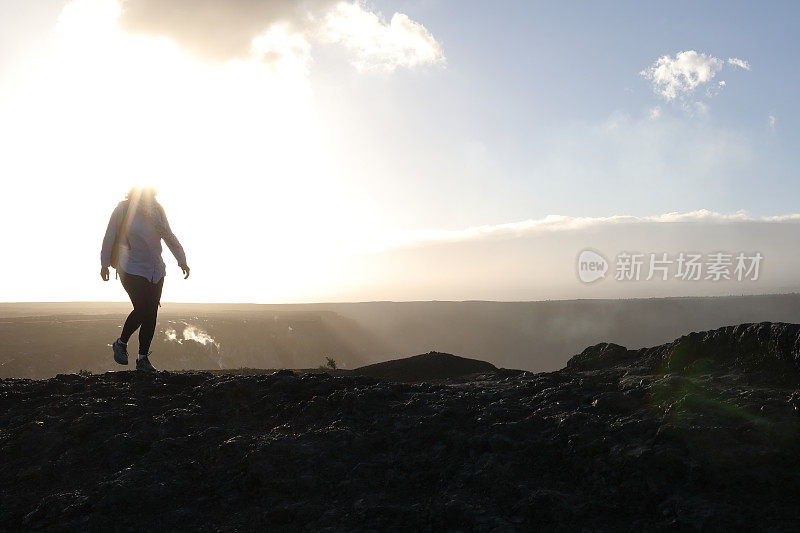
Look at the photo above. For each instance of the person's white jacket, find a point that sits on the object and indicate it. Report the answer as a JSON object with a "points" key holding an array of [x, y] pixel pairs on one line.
{"points": [[140, 252]]}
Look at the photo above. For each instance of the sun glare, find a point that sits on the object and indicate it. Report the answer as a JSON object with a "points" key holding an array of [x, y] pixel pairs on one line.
{"points": [[234, 148]]}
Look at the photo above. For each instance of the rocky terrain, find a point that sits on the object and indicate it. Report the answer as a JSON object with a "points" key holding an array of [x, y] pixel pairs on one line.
{"points": [[700, 434]]}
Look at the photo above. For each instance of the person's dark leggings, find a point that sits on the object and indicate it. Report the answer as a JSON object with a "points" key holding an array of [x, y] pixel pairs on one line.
{"points": [[145, 297]]}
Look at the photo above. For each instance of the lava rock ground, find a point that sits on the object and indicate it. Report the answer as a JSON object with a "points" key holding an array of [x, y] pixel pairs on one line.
{"points": [[692, 435]]}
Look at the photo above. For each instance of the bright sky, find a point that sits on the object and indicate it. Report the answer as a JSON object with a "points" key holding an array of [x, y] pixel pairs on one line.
{"points": [[289, 139]]}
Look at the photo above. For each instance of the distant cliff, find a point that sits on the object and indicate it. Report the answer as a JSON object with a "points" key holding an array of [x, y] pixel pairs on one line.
{"points": [[766, 350]]}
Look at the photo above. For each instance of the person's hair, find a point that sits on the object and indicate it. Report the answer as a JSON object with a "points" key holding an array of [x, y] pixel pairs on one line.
{"points": [[141, 192]]}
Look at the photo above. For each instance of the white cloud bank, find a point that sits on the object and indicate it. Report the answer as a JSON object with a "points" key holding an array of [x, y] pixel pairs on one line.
{"points": [[560, 223], [277, 30], [536, 259], [679, 76]]}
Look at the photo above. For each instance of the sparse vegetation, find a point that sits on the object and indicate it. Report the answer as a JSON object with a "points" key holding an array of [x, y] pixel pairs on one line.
{"points": [[330, 364]]}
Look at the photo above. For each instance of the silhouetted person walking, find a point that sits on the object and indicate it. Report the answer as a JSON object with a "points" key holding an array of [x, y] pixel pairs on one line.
{"points": [[132, 246]]}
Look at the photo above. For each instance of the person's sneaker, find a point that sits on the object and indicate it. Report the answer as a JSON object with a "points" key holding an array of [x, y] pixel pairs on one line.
{"points": [[144, 364], [120, 352]]}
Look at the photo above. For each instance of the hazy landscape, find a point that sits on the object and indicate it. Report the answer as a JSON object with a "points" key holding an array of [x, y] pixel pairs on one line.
{"points": [[522, 266], [44, 339]]}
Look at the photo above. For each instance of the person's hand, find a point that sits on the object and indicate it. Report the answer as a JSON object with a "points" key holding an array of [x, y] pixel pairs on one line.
{"points": [[185, 269], [104, 273]]}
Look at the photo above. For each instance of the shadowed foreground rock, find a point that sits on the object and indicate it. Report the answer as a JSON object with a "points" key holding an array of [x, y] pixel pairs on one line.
{"points": [[698, 434]]}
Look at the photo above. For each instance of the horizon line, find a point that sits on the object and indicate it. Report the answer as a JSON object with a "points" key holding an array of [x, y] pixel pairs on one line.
{"points": [[352, 302]]}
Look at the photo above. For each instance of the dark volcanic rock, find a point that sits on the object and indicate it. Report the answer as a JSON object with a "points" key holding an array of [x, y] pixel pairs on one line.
{"points": [[431, 366], [770, 350], [676, 437], [603, 355]]}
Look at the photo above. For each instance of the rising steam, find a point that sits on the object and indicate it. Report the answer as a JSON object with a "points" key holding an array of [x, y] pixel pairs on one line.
{"points": [[191, 333]]}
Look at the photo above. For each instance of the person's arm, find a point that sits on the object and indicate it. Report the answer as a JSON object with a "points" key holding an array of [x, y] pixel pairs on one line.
{"points": [[174, 246], [112, 231]]}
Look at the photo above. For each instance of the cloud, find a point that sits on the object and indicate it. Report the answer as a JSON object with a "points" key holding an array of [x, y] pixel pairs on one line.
{"points": [[559, 223], [741, 63], [772, 121], [678, 77], [283, 30], [284, 50], [682, 74], [378, 45], [218, 30], [655, 112]]}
